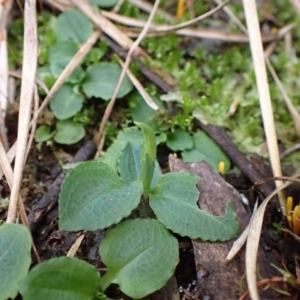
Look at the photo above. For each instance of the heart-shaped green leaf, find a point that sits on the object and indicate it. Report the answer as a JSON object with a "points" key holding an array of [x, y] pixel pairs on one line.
{"points": [[101, 81], [66, 103], [15, 244], [62, 278], [140, 256], [179, 140], [94, 197], [73, 25], [68, 132], [174, 204]]}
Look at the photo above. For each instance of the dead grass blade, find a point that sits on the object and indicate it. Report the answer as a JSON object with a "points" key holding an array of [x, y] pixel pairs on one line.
{"points": [[253, 241], [10, 155], [27, 86], [5, 9], [239, 243], [72, 251], [263, 91]]}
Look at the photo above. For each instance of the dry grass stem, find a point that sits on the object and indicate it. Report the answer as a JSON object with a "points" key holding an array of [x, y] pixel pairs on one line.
{"points": [[240, 241], [288, 151], [34, 119], [132, 49], [72, 251], [10, 155], [117, 6], [296, 5], [263, 91], [5, 9], [27, 86]]}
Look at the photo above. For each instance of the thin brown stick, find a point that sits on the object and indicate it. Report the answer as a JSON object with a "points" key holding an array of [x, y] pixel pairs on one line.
{"points": [[288, 151]]}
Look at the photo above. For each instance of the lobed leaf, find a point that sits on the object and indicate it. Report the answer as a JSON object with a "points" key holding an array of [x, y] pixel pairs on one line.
{"points": [[94, 197], [15, 244], [174, 204], [140, 256]]}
